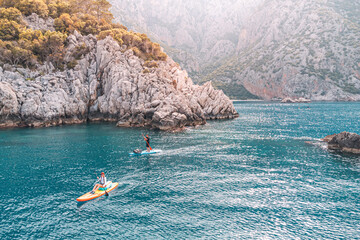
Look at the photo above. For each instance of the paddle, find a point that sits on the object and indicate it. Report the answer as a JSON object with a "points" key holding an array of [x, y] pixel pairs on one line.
{"points": [[147, 142]]}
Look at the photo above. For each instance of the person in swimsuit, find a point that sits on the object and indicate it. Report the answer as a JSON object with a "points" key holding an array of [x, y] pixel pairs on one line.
{"points": [[147, 140], [101, 184]]}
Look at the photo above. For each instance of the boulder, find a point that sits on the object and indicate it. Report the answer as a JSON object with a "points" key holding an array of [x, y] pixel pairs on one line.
{"points": [[287, 100], [344, 142], [328, 138]]}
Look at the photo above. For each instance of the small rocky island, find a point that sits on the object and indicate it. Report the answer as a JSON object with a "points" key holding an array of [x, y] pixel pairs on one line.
{"points": [[345, 142], [116, 75], [295, 100]]}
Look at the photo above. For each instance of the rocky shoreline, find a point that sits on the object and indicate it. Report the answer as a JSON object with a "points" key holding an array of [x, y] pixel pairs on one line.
{"points": [[295, 100], [109, 83], [344, 142]]}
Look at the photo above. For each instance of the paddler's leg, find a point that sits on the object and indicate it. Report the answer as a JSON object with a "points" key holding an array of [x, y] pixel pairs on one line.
{"points": [[96, 187]]}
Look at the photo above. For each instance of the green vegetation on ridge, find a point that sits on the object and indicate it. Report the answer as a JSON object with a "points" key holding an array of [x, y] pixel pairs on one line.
{"points": [[21, 45]]}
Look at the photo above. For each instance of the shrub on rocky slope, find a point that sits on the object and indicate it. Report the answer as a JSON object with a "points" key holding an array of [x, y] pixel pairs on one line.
{"points": [[27, 45]]}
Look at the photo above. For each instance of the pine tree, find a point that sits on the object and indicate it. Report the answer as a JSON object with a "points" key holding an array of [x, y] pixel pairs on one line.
{"points": [[100, 9]]}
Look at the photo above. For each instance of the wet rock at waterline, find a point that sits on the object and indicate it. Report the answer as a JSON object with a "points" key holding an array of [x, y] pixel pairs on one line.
{"points": [[344, 142]]}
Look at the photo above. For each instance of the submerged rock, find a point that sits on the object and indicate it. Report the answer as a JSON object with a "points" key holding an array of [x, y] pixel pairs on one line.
{"points": [[344, 142], [108, 84]]}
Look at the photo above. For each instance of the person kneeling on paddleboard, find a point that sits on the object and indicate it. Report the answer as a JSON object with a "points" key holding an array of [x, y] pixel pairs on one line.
{"points": [[102, 181], [147, 140]]}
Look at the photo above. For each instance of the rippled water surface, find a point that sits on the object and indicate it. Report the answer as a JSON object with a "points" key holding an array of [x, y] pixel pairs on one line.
{"points": [[249, 178]]}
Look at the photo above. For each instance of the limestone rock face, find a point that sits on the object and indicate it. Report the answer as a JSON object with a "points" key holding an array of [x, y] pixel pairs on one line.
{"points": [[9, 106], [345, 142], [302, 48], [35, 22], [201, 32], [267, 48], [108, 84]]}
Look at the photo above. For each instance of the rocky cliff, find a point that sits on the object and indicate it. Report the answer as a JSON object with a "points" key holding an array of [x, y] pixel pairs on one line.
{"points": [[297, 49], [109, 83], [270, 48], [195, 33]]}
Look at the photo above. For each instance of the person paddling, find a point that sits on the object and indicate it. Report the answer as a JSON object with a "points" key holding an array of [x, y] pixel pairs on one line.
{"points": [[147, 140], [102, 183]]}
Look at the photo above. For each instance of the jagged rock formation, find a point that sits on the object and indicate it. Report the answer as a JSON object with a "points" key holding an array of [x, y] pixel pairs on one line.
{"points": [[108, 84], [344, 142], [284, 48], [308, 51], [297, 49], [195, 33]]}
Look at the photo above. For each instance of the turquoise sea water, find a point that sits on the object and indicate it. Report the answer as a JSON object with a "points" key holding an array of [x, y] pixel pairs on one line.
{"points": [[249, 178]]}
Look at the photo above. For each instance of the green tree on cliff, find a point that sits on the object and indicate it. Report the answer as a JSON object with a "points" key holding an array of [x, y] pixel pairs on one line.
{"points": [[100, 8], [20, 45], [27, 7], [9, 30], [11, 14]]}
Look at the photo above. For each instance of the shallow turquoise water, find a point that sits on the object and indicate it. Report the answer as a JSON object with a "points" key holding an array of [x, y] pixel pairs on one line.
{"points": [[249, 178]]}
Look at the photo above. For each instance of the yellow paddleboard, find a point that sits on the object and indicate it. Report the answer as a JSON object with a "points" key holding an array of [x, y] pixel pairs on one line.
{"points": [[98, 193]]}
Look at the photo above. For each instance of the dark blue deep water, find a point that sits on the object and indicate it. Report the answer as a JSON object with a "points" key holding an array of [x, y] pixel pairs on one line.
{"points": [[249, 178]]}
